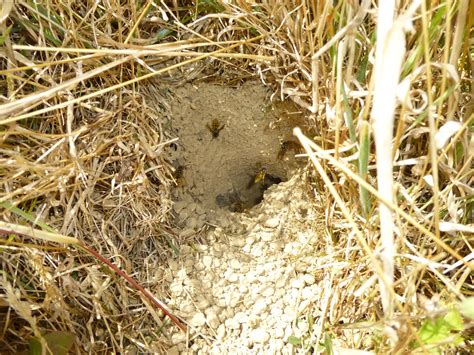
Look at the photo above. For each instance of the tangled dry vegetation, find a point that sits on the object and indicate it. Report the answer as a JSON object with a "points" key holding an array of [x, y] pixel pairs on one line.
{"points": [[81, 155]]}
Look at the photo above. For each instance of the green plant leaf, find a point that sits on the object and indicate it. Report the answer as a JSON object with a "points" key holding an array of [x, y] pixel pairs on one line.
{"points": [[454, 319], [294, 340], [328, 344], [59, 343], [467, 308], [439, 329], [5, 34]]}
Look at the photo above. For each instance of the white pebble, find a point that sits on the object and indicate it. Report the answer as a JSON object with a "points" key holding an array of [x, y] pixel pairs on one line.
{"points": [[303, 305], [259, 336], [243, 289], [232, 278], [309, 279], [272, 222], [276, 312], [244, 269], [176, 289], [187, 307], [307, 293], [268, 291], [303, 326], [173, 351], [221, 331], [266, 236], [197, 320], [207, 261], [237, 242], [232, 324], [202, 303], [277, 346], [177, 338], [250, 240], [260, 306], [297, 283], [278, 245], [213, 320], [235, 264], [241, 317], [281, 282], [279, 333], [257, 251]]}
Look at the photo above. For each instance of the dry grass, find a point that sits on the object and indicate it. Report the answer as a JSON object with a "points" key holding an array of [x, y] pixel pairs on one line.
{"points": [[82, 105]]}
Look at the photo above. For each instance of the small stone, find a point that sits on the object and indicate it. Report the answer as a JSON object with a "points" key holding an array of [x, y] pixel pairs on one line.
{"points": [[253, 321], [221, 302], [234, 300], [259, 336], [189, 262], [279, 333], [237, 242], [202, 303], [297, 283], [244, 269], [303, 305], [268, 291], [207, 261], [289, 315], [232, 278], [228, 313], [217, 263], [182, 274], [303, 327], [197, 320], [272, 222], [232, 324], [234, 264], [173, 351], [281, 282], [178, 206], [301, 266], [173, 265], [243, 289], [191, 222], [307, 293], [213, 320], [250, 240], [221, 332], [277, 346], [176, 289], [241, 317], [187, 307], [276, 312], [177, 338], [266, 236], [257, 251], [260, 306], [309, 279], [201, 248], [199, 266]]}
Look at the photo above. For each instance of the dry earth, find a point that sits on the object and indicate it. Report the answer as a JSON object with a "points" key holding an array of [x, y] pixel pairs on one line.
{"points": [[253, 279]]}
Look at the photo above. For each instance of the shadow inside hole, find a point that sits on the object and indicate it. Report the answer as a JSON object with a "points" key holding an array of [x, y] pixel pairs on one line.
{"points": [[248, 197]]}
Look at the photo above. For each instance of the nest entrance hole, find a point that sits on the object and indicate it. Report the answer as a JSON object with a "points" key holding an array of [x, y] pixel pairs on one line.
{"points": [[229, 148]]}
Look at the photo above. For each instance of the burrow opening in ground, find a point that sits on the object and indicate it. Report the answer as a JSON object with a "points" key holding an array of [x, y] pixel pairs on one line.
{"points": [[233, 144]]}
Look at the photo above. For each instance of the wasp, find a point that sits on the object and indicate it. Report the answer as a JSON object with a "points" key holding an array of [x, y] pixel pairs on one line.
{"points": [[287, 146], [258, 177], [179, 176], [215, 128]]}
